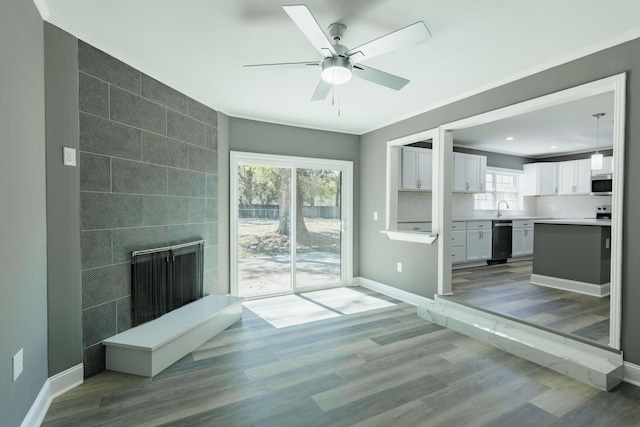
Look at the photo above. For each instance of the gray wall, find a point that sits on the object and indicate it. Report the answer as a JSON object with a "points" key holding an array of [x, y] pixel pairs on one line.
{"points": [[578, 156], [498, 160], [268, 138], [148, 178], [23, 227], [623, 58], [63, 201]]}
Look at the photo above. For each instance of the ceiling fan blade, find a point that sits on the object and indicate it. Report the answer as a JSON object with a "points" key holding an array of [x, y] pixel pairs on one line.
{"points": [[379, 77], [321, 91], [301, 15], [398, 39], [285, 65]]}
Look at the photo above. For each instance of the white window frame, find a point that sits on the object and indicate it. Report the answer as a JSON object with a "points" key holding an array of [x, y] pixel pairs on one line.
{"points": [[237, 158], [519, 206]]}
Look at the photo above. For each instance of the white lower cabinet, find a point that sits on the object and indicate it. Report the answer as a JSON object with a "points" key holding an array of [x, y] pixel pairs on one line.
{"points": [[458, 242], [478, 245], [522, 240], [458, 254]]}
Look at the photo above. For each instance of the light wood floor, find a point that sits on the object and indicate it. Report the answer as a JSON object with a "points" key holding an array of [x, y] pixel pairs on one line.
{"points": [[505, 289], [384, 367]]}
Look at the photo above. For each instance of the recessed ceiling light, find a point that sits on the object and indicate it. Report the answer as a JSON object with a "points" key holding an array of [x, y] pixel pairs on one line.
{"points": [[509, 138], [553, 147]]}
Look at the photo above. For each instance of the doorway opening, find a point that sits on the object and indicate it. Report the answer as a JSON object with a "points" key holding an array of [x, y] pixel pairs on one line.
{"points": [[291, 228], [614, 85]]}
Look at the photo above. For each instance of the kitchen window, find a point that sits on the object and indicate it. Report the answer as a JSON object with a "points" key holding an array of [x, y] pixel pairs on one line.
{"points": [[500, 185]]}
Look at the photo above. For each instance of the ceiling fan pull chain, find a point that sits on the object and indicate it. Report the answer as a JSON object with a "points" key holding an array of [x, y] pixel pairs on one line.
{"points": [[333, 95]]}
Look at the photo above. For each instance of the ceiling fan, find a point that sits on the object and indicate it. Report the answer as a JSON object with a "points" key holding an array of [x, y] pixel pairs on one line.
{"points": [[340, 63]]}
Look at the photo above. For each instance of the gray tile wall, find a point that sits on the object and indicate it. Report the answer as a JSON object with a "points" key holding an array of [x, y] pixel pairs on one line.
{"points": [[148, 178]]}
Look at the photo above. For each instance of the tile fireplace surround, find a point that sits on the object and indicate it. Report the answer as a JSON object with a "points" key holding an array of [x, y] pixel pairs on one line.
{"points": [[148, 178]]}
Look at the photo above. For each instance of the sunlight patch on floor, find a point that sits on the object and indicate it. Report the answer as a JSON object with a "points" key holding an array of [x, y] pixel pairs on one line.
{"points": [[289, 310]]}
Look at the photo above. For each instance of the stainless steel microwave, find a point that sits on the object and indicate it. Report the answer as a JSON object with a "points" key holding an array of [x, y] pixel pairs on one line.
{"points": [[602, 185]]}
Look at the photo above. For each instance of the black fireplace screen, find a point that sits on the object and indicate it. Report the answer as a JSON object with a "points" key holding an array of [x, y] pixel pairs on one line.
{"points": [[164, 279]]}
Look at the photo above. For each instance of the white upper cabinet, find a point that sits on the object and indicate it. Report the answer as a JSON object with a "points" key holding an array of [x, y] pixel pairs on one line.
{"points": [[469, 173], [550, 178], [574, 177], [483, 174], [540, 179], [416, 168]]}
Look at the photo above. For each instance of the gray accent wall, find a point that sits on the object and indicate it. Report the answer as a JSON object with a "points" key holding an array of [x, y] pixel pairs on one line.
{"points": [[420, 261], [63, 201], [268, 138], [498, 160], [148, 178], [23, 221]]}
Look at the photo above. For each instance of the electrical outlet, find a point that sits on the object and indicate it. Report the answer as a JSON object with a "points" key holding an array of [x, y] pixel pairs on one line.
{"points": [[375, 216], [17, 365], [68, 156], [399, 267]]}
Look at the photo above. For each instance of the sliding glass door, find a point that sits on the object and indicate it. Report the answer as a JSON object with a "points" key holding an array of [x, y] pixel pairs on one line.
{"points": [[291, 224]]}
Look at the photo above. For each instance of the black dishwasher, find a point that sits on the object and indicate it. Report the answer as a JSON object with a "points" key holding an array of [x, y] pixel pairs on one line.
{"points": [[501, 240]]}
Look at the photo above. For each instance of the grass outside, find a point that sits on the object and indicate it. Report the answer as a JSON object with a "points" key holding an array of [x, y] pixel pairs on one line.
{"points": [[259, 237]]}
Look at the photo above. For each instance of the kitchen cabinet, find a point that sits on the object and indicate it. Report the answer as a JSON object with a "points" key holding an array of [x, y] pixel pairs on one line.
{"points": [[458, 242], [478, 240], [574, 177], [540, 179], [416, 168], [417, 227], [469, 173], [478, 244], [522, 240]]}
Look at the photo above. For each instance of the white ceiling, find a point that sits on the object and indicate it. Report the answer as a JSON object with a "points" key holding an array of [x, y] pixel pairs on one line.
{"points": [[562, 129], [199, 47]]}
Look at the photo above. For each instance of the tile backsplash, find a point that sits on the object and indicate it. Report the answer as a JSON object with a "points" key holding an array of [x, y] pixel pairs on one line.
{"points": [[416, 206], [570, 206]]}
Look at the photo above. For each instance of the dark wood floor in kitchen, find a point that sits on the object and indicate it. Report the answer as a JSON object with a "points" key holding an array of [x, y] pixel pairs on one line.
{"points": [[505, 289], [381, 367]]}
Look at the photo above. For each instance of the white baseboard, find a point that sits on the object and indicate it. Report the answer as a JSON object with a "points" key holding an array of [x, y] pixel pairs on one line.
{"points": [[631, 374], [52, 388], [39, 408], [571, 285], [392, 292], [66, 380]]}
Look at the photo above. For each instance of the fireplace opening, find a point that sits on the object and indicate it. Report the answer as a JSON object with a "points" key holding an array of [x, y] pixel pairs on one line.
{"points": [[163, 279]]}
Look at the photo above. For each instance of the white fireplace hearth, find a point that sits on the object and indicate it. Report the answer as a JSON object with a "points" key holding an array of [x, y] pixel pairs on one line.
{"points": [[150, 348]]}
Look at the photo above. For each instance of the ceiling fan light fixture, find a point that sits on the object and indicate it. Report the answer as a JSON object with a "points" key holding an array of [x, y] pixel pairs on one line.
{"points": [[336, 70]]}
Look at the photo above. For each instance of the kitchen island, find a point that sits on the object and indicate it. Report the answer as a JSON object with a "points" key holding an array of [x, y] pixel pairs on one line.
{"points": [[573, 254]]}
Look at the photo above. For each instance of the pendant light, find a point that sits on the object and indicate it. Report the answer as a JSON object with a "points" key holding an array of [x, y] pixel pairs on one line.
{"points": [[597, 158]]}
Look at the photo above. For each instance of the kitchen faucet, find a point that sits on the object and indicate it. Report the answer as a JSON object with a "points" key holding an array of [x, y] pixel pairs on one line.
{"points": [[502, 201]]}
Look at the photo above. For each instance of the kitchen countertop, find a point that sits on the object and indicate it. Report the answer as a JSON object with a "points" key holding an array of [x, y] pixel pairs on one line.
{"points": [[514, 218], [577, 221]]}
